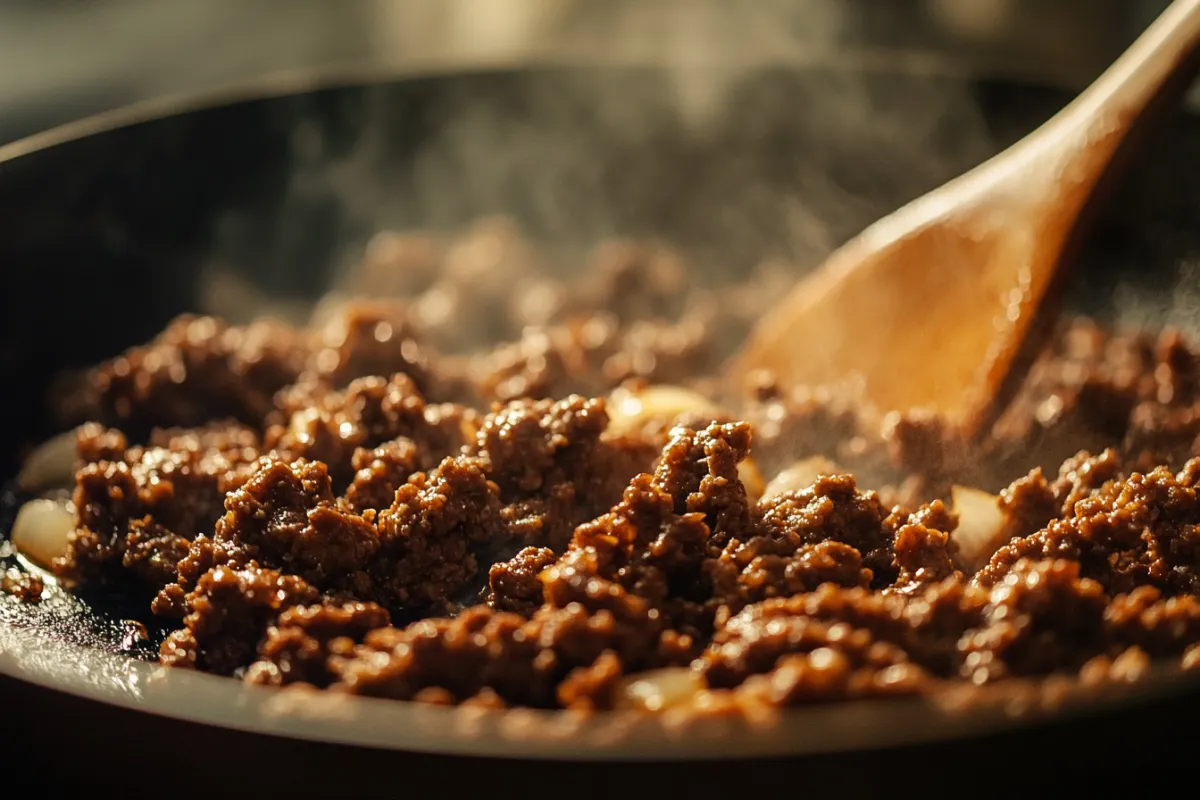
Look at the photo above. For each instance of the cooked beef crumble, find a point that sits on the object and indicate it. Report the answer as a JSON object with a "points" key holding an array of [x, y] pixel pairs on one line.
{"points": [[23, 585], [355, 508]]}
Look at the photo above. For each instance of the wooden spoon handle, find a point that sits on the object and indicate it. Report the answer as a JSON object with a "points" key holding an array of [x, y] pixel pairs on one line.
{"points": [[1080, 155], [1160, 54], [1149, 77]]}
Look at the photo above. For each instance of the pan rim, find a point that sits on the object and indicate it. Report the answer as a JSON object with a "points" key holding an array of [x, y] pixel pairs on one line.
{"points": [[31, 656], [302, 80]]}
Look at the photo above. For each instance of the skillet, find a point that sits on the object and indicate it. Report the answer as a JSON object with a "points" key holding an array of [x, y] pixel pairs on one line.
{"points": [[110, 228]]}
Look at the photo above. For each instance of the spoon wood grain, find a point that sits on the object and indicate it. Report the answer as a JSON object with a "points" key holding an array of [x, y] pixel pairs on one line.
{"points": [[943, 304]]}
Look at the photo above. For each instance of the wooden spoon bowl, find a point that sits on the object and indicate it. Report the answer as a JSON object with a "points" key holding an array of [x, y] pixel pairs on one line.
{"points": [[942, 305]]}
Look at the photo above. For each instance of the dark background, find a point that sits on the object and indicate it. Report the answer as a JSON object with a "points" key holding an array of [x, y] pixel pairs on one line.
{"points": [[56, 742]]}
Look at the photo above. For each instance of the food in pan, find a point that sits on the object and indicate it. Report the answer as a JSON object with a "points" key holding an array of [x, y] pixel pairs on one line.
{"points": [[575, 518]]}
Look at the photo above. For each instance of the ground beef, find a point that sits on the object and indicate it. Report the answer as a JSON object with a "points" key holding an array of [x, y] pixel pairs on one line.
{"points": [[284, 518], [198, 369], [380, 472], [152, 551], [924, 552], [22, 585], [152, 499], [764, 637], [441, 494], [699, 470], [298, 646], [1129, 532], [428, 538], [522, 661], [1156, 625], [367, 413], [537, 367], [227, 613], [516, 584], [1041, 617], [553, 468], [832, 509], [368, 338]]}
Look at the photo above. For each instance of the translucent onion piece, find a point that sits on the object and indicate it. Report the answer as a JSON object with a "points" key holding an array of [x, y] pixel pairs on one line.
{"points": [[630, 410], [51, 465], [981, 525], [751, 477], [41, 530], [660, 689], [800, 475]]}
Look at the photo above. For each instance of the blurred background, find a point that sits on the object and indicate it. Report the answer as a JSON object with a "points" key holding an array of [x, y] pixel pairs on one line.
{"points": [[65, 59], [757, 135]]}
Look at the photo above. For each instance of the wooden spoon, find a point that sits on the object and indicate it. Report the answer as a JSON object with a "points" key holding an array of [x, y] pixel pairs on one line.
{"points": [[943, 304]]}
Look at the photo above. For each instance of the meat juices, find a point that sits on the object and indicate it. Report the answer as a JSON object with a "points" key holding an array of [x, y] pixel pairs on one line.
{"points": [[539, 523]]}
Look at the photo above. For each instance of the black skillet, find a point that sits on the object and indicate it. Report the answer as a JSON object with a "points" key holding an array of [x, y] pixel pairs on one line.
{"points": [[108, 234]]}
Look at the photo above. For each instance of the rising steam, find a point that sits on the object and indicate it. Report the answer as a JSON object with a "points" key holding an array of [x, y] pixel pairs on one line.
{"points": [[739, 131]]}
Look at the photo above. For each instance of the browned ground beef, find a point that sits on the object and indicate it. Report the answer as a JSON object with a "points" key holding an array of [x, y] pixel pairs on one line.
{"points": [[363, 507]]}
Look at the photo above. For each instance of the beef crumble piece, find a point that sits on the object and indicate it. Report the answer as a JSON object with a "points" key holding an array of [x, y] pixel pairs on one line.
{"points": [[922, 629], [924, 551], [1158, 626], [516, 584], [237, 443], [228, 612], [699, 470], [543, 363], [522, 661], [368, 338], [652, 545], [1078, 395], [1042, 617], [380, 472], [138, 507], [298, 645], [152, 552], [1139, 530], [929, 453], [812, 658], [368, 413], [283, 518], [196, 370], [24, 586], [429, 536], [591, 354], [641, 549], [763, 568], [797, 541], [804, 421], [553, 466], [660, 352], [831, 510]]}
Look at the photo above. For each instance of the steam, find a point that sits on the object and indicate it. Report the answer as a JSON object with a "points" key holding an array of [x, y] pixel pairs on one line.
{"points": [[740, 132]]}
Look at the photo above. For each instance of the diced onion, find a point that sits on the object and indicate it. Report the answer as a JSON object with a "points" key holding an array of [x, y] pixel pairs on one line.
{"points": [[799, 475], [751, 477], [660, 689], [51, 465], [41, 530], [981, 525], [630, 410]]}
